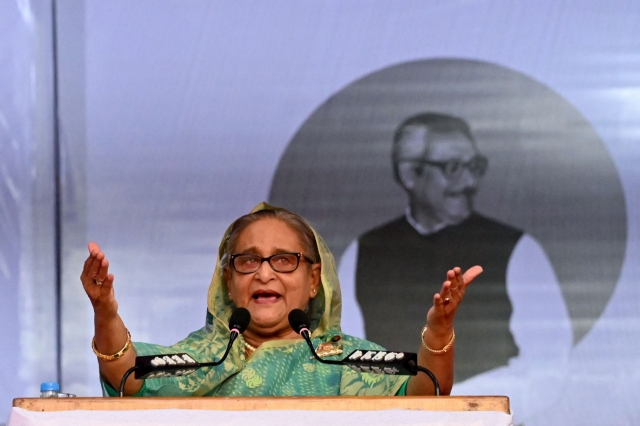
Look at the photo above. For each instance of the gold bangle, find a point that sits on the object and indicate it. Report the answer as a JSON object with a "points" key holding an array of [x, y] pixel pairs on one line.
{"points": [[114, 356], [440, 351]]}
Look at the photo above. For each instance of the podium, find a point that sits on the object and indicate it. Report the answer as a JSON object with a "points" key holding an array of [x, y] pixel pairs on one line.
{"points": [[325, 411]]}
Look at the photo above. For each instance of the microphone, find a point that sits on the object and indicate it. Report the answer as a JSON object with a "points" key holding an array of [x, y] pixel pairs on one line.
{"points": [[238, 323], [181, 364], [300, 323], [363, 360]]}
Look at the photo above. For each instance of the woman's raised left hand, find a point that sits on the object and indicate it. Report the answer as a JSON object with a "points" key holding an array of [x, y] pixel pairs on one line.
{"points": [[445, 304], [437, 352]]}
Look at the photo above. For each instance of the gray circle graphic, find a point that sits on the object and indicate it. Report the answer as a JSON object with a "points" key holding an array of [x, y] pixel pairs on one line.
{"points": [[549, 175]]}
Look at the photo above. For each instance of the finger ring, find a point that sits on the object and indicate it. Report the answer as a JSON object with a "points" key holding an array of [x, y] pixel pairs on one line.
{"points": [[96, 282], [447, 300]]}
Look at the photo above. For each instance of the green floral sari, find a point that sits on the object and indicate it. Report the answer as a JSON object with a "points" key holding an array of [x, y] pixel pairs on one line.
{"points": [[277, 367]]}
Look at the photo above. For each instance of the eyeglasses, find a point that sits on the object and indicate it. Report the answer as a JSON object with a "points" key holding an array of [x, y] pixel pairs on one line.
{"points": [[454, 168], [281, 262]]}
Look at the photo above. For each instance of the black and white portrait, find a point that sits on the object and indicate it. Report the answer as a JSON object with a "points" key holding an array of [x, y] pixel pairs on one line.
{"points": [[432, 164]]}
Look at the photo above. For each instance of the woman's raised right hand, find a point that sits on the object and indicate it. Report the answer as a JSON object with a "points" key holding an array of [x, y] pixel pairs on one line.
{"points": [[98, 283]]}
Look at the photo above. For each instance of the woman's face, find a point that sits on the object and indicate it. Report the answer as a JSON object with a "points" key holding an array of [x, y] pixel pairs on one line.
{"points": [[269, 295]]}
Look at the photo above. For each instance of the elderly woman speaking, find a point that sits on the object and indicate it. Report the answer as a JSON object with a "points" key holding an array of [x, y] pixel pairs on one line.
{"points": [[271, 262]]}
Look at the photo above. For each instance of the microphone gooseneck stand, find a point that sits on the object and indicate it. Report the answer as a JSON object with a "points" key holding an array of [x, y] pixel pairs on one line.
{"points": [[299, 322], [238, 323]]}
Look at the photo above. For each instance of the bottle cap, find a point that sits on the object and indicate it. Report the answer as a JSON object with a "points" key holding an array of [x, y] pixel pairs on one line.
{"points": [[49, 386]]}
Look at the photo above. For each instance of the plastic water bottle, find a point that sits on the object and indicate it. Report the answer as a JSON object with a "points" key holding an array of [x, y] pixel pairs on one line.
{"points": [[49, 390]]}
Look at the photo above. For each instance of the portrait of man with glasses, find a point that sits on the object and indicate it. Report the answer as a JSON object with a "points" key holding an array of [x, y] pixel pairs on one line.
{"points": [[402, 263]]}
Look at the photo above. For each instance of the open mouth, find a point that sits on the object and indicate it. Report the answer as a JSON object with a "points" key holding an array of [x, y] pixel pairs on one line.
{"points": [[266, 296]]}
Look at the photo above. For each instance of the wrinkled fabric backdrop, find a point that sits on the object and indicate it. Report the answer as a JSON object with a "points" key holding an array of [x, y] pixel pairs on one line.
{"points": [[163, 121]]}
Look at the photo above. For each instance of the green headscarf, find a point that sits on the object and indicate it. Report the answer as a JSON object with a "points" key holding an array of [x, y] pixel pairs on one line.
{"points": [[277, 367]]}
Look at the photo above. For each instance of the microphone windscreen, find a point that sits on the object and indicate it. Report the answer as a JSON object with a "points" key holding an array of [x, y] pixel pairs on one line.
{"points": [[298, 320], [240, 319]]}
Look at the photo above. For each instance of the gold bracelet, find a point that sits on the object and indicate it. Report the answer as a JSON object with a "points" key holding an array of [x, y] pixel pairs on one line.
{"points": [[114, 356], [440, 351]]}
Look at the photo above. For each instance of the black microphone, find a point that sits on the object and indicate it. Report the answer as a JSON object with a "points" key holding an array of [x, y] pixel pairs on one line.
{"points": [[181, 364], [363, 360], [238, 323], [299, 321]]}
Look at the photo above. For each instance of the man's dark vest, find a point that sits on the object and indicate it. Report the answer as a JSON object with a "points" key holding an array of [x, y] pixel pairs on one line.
{"points": [[400, 270]]}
